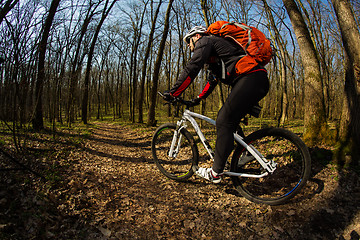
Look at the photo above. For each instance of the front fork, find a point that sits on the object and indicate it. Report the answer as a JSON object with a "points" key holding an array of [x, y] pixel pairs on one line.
{"points": [[176, 141]]}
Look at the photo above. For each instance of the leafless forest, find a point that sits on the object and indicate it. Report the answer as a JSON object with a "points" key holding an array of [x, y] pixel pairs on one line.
{"points": [[65, 63]]}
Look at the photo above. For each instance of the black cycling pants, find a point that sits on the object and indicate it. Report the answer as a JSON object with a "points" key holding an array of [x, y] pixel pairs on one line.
{"points": [[247, 91]]}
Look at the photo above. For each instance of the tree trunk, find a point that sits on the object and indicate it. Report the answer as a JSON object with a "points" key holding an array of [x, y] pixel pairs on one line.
{"points": [[283, 57], [284, 92], [144, 67], [350, 38], [205, 11], [137, 27], [314, 116], [6, 8], [151, 119], [85, 100], [77, 62], [38, 122]]}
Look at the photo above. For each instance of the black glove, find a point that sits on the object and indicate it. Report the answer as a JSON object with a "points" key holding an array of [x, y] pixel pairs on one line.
{"points": [[194, 102], [167, 96]]}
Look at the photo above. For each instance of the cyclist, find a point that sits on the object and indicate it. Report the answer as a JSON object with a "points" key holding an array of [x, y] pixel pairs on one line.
{"points": [[221, 55]]}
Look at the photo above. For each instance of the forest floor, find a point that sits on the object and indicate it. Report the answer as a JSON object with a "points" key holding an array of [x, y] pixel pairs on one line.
{"points": [[106, 186]]}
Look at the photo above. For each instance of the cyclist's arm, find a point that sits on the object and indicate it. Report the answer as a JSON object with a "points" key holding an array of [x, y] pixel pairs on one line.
{"points": [[196, 63], [209, 87]]}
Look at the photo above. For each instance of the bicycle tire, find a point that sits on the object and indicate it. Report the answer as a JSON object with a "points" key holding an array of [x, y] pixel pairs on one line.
{"points": [[292, 171], [179, 168]]}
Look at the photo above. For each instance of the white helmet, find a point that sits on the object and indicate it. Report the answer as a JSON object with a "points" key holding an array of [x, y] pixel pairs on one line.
{"points": [[193, 31]]}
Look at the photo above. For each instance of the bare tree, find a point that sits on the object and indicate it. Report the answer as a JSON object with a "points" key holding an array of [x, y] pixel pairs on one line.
{"points": [[284, 103], [78, 59], [151, 119], [137, 25], [4, 9], [314, 117], [146, 57], [38, 122], [85, 99], [350, 38], [205, 10]]}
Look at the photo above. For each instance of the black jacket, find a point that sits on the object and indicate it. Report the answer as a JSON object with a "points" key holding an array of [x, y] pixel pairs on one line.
{"points": [[220, 54]]}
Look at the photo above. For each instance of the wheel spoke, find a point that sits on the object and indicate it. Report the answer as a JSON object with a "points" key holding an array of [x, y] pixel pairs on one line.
{"points": [[180, 166]]}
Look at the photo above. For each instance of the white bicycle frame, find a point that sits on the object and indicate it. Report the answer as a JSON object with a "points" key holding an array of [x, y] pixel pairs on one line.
{"points": [[269, 166]]}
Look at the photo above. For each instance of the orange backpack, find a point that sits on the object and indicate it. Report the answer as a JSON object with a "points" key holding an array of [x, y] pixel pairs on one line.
{"points": [[256, 46]]}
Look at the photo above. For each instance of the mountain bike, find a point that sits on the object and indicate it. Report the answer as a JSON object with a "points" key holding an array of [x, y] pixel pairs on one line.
{"points": [[269, 166]]}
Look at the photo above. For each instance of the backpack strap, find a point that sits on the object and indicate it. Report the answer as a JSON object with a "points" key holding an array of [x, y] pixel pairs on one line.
{"points": [[223, 70], [237, 42], [244, 27]]}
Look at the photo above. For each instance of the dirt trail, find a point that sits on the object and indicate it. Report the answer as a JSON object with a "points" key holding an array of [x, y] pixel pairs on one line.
{"points": [[113, 190]]}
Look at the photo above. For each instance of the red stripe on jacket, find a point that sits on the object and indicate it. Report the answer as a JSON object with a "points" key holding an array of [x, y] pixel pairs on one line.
{"points": [[182, 87], [257, 70], [202, 94]]}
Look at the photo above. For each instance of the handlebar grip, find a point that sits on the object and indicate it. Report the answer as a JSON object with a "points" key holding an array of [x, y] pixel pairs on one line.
{"points": [[176, 100]]}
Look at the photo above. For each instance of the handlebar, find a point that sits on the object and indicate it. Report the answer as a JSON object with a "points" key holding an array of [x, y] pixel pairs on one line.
{"points": [[254, 111], [176, 100]]}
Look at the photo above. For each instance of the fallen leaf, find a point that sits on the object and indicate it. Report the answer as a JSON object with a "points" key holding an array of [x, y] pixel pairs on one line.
{"points": [[104, 231], [291, 213]]}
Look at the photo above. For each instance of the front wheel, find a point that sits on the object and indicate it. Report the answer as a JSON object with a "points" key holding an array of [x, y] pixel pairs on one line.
{"points": [[293, 168], [179, 165]]}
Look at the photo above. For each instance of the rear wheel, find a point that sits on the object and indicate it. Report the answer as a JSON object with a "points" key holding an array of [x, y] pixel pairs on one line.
{"points": [[293, 168], [179, 166]]}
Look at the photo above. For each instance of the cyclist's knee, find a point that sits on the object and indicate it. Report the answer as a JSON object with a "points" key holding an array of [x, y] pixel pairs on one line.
{"points": [[225, 125], [227, 121]]}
